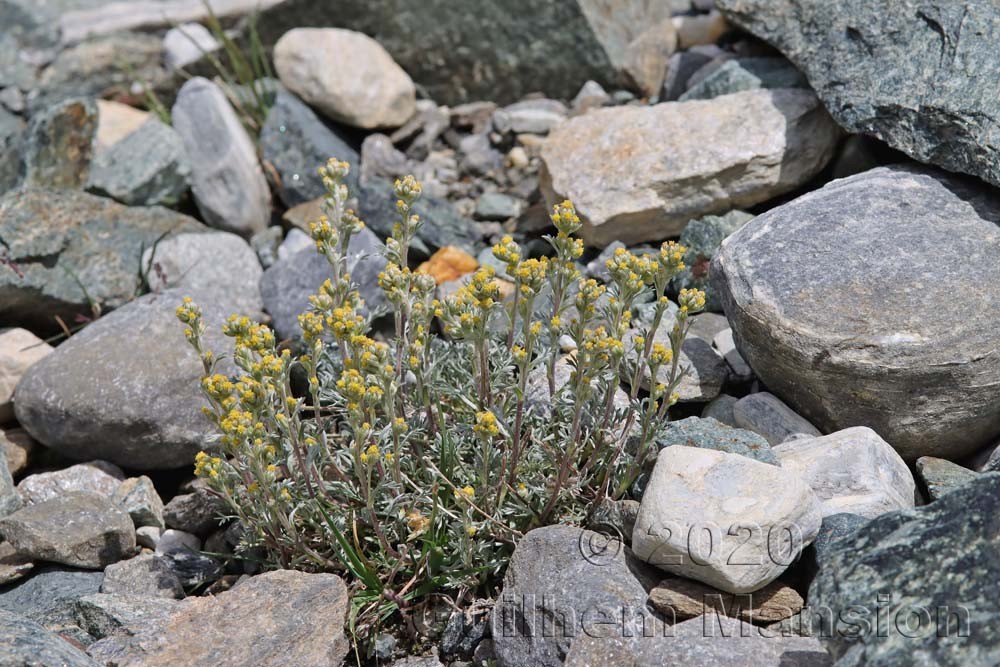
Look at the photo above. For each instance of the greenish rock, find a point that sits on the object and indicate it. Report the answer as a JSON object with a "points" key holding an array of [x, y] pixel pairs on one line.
{"points": [[12, 132], [72, 252], [59, 145], [297, 142], [29, 28], [940, 606], [707, 433], [834, 527], [909, 72], [941, 476], [747, 74], [148, 167], [702, 238], [25, 642], [49, 597]]}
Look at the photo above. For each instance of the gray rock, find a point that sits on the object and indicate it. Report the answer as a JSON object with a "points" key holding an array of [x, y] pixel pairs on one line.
{"points": [[702, 238], [478, 157], [536, 116], [177, 540], [941, 476], [757, 517], [834, 527], [615, 518], [217, 260], [12, 566], [681, 66], [907, 74], [226, 178], [597, 268], [707, 433], [148, 167], [102, 615], [12, 136], [296, 142], [197, 512], [747, 74], [498, 206], [381, 159], [287, 285], [141, 409], [139, 498], [266, 245], [98, 477], [194, 570], [10, 501], [641, 173], [707, 326], [73, 251], [17, 448], [295, 241], [543, 609], [591, 96], [707, 371], [148, 536], [768, 415], [721, 410], [25, 642], [724, 343], [19, 348], [148, 575], [186, 44], [78, 529], [58, 147], [848, 335], [49, 598], [940, 607]]}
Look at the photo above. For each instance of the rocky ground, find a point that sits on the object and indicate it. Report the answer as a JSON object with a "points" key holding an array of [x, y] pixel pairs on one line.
{"points": [[830, 492]]}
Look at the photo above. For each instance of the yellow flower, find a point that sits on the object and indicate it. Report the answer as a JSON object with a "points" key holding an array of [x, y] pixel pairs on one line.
{"points": [[417, 522], [486, 424], [470, 530], [465, 493]]}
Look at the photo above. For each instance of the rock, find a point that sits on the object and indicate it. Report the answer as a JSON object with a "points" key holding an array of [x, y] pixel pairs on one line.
{"points": [[498, 206], [615, 518], [9, 499], [295, 241], [682, 599], [225, 630], [768, 415], [707, 433], [12, 566], [645, 57], [78, 529], [707, 326], [49, 598], [17, 448], [227, 181], [834, 527], [699, 29], [741, 74], [296, 142], [148, 167], [940, 607], [447, 264], [217, 260], [543, 608], [721, 410], [702, 238], [197, 512], [848, 335], [707, 370], [139, 498], [194, 570], [535, 116], [940, 476], [148, 537], [591, 96], [759, 518], [463, 632], [186, 44], [381, 159], [115, 121], [871, 65], [641, 173], [852, 471], [478, 157], [287, 285], [141, 409], [60, 240], [12, 138], [367, 89], [28, 643], [98, 477], [148, 575], [266, 244], [101, 615], [59, 145], [681, 66], [19, 348], [726, 346], [177, 540]]}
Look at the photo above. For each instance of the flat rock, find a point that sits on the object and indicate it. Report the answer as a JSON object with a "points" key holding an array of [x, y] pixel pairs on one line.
{"points": [[909, 74], [101, 615], [97, 477], [78, 529], [530, 116], [226, 178], [853, 471], [768, 415], [19, 348], [12, 566], [683, 599], [59, 145], [239, 627], [49, 596], [148, 575], [941, 606], [741, 74], [367, 89], [723, 519], [708, 433], [941, 476], [139, 498], [218, 260], [141, 409], [849, 335], [72, 250], [25, 642], [641, 173], [115, 121]]}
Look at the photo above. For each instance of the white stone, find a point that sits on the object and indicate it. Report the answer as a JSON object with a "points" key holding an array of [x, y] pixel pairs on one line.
{"points": [[295, 240], [203, 261], [723, 519], [768, 415], [148, 536], [699, 29], [115, 121], [19, 348], [852, 471], [172, 540], [98, 477], [187, 43], [530, 116]]}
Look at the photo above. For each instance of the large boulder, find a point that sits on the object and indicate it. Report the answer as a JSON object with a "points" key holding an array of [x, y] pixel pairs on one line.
{"points": [[641, 173], [940, 605], [909, 72], [884, 313], [28, 643]]}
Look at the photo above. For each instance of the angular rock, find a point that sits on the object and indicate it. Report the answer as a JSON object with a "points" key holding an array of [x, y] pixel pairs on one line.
{"points": [[78, 529], [62, 240], [738, 366], [115, 121], [721, 410], [266, 244], [186, 44], [141, 409], [19, 348], [848, 335], [148, 536], [226, 178], [9, 499], [25, 642], [641, 173], [707, 433], [367, 89], [16, 446], [177, 540], [681, 66], [139, 498], [216, 260], [98, 477], [699, 29], [448, 264], [101, 615], [591, 96], [834, 527], [296, 142], [941, 476], [225, 630], [702, 238], [197, 512], [58, 147], [852, 471], [940, 607], [148, 167], [908, 74], [741, 74], [12, 566], [194, 570], [768, 415], [148, 575], [12, 136], [682, 599], [723, 519], [498, 206]]}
